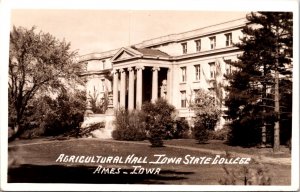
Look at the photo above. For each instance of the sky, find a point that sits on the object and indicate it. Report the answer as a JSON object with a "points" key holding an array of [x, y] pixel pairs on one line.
{"points": [[91, 31]]}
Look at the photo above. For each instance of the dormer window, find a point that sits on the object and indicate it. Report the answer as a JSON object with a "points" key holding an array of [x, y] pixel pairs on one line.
{"points": [[184, 48], [212, 42]]}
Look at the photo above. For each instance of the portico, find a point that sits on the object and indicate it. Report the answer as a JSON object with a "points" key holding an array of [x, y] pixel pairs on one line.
{"points": [[138, 78], [130, 85]]}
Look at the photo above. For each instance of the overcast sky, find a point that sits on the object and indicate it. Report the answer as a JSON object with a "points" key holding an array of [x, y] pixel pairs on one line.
{"points": [[103, 30]]}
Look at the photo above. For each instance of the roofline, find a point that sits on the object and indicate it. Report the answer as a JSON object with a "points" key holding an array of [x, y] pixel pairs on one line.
{"points": [[177, 37], [167, 39]]}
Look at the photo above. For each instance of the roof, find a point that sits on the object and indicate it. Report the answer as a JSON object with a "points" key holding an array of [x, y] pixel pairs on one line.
{"points": [[132, 52], [152, 52]]}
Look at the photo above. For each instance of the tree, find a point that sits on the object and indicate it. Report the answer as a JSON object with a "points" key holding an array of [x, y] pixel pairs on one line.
{"points": [[206, 108], [254, 97], [38, 64], [98, 105], [207, 113]]}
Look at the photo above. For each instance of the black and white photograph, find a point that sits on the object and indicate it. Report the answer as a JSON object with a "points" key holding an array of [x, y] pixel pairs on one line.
{"points": [[150, 98]]}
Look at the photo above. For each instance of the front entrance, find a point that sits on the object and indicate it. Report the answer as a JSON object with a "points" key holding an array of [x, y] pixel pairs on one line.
{"points": [[148, 83]]}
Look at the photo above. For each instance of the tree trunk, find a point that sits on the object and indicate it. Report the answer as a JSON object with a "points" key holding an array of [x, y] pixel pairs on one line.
{"points": [[277, 110], [264, 127], [276, 98]]}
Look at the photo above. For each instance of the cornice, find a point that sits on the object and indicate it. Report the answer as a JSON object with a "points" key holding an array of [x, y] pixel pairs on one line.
{"points": [[96, 72], [194, 34]]}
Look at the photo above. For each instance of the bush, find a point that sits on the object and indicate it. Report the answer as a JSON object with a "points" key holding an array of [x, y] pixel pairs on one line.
{"points": [[48, 116], [66, 113], [201, 133], [255, 174], [87, 131], [181, 129], [221, 134], [159, 121], [129, 125], [98, 105], [156, 132]]}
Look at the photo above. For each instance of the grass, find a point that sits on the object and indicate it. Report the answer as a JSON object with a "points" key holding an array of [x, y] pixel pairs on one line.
{"points": [[220, 145], [36, 163]]}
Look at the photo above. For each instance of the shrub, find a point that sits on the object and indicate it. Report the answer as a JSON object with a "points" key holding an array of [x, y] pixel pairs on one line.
{"points": [[220, 134], [156, 132], [98, 104], [159, 121], [255, 174], [201, 133], [87, 131], [66, 113], [129, 125], [181, 129], [47, 116]]}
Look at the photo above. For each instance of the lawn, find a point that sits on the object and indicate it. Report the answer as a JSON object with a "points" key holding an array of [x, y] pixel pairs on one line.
{"points": [[36, 163], [220, 145]]}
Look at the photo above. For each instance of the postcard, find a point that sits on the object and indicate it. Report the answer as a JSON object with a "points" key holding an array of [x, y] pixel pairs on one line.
{"points": [[141, 95]]}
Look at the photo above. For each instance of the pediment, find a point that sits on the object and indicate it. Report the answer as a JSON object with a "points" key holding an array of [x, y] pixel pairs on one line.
{"points": [[125, 54]]}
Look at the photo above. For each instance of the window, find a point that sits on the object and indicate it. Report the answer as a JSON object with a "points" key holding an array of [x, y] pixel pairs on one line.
{"points": [[103, 64], [228, 67], [183, 74], [197, 72], [103, 85], [195, 91], [212, 66], [228, 39], [212, 42], [184, 48], [183, 99], [198, 45]]}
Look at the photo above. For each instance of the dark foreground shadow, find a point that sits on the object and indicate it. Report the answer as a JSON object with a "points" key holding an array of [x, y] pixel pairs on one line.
{"points": [[84, 174]]}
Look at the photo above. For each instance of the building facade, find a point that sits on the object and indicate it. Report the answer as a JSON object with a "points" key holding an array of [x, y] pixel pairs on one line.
{"points": [[173, 67]]}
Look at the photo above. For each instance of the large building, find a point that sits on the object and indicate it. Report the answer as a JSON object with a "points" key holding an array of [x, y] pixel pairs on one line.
{"points": [[173, 67]]}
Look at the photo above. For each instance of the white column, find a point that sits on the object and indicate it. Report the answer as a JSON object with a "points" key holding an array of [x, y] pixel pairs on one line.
{"points": [[139, 87], [115, 88], [123, 88], [154, 83], [131, 89], [169, 85]]}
